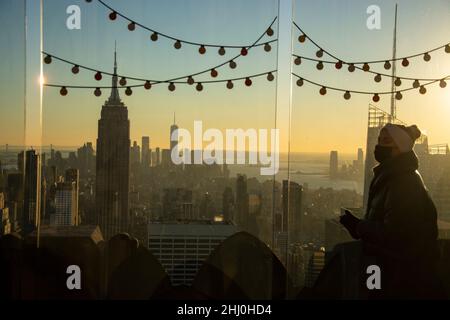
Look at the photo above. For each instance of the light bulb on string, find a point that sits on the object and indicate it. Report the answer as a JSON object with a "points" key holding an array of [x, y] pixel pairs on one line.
{"points": [[177, 44], [347, 95], [270, 76], [48, 59], [98, 76], [88, 1], [269, 32], [422, 90], [233, 64], [202, 49], [447, 48], [63, 91], [199, 86], [190, 80], [214, 73], [97, 92], [338, 65], [300, 82], [113, 16], [351, 67], [248, 82], [302, 38], [442, 83], [405, 62], [123, 81], [128, 91], [75, 69], [267, 47], [154, 36], [426, 57], [171, 86], [221, 51], [147, 85], [387, 65], [319, 54], [398, 82], [377, 78], [298, 61], [244, 51], [416, 84], [319, 65], [376, 97], [366, 67], [131, 26], [323, 91], [398, 95], [230, 84]]}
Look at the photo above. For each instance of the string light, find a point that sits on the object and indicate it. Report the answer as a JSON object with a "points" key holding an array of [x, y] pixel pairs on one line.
{"points": [[323, 91], [128, 91], [298, 61], [416, 84], [248, 82], [147, 85], [442, 83], [387, 65], [177, 44], [270, 76], [447, 48], [190, 80], [405, 62], [214, 73], [351, 67], [221, 51], [302, 38], [319, 54], [98, 76], [377, 78], [171, 86], [319, 65], [269, 32], [423, 90], [113, 15], [199, 86], [267, 47], [366, 67], [300, 82], [376, 97], [131, 26], [48, 59], [233, 64], [398, 82], [98, 92], [154, 36], [230, 84], [244, 51], [63, 91], [202, 49], [426, 57], [75, 69], [398, 95], [347, 95], [123, 81], [338, 65]]}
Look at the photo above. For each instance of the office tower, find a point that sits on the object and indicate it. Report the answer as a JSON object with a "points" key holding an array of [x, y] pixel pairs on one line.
{"points": [[32, 191], [177, 204], [227, 204], [113, 164], [158, 157], [135, 154], [5, 225], [242, 207], [360, 157], [21, 162], [166, 158], [333, 164], [145, 151], [86, 160], [292, 210], [182, 247], [173, 134], [315, 264], [66, 205], [73, 176]]}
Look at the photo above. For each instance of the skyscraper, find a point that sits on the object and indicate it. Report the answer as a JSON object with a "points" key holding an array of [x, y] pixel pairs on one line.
{"points": [[66, 205], [73, 176], [292, 209], [242, 205], [113, 164], [333, 164], [145, 152], [135, 154], [173, 134], [32, 192]]}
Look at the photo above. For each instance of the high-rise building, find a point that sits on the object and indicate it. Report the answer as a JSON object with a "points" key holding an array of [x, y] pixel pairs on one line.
{"points": [[32, 191], [158, 157], [173, 134], [227, 205], [135, 154], [145, 152], [177, 204], [242, 205], [86, 159], [333, 164], [5, 225], [182, 247], [66, 205], [292, 210], [166, 158], [113, 164], [73, 176]]}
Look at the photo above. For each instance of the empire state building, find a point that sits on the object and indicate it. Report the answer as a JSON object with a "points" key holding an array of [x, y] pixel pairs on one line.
{"points": [[113, 162]]}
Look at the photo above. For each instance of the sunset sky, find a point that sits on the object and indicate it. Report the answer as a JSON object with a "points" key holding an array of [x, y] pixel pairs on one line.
{"points": [[319, 124]]}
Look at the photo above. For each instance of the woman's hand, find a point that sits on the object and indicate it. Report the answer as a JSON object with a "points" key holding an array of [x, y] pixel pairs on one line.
{"points": [[350, 222]]}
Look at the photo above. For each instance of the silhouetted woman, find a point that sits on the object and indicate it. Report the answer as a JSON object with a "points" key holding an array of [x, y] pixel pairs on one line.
{"points": [[400, 226]]}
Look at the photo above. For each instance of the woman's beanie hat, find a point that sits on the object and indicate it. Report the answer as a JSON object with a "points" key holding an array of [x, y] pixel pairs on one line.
{"points": [[404, 137]]}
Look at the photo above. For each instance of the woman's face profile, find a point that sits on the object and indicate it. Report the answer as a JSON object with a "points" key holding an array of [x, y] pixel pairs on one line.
{"points": [[385, 140]]}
